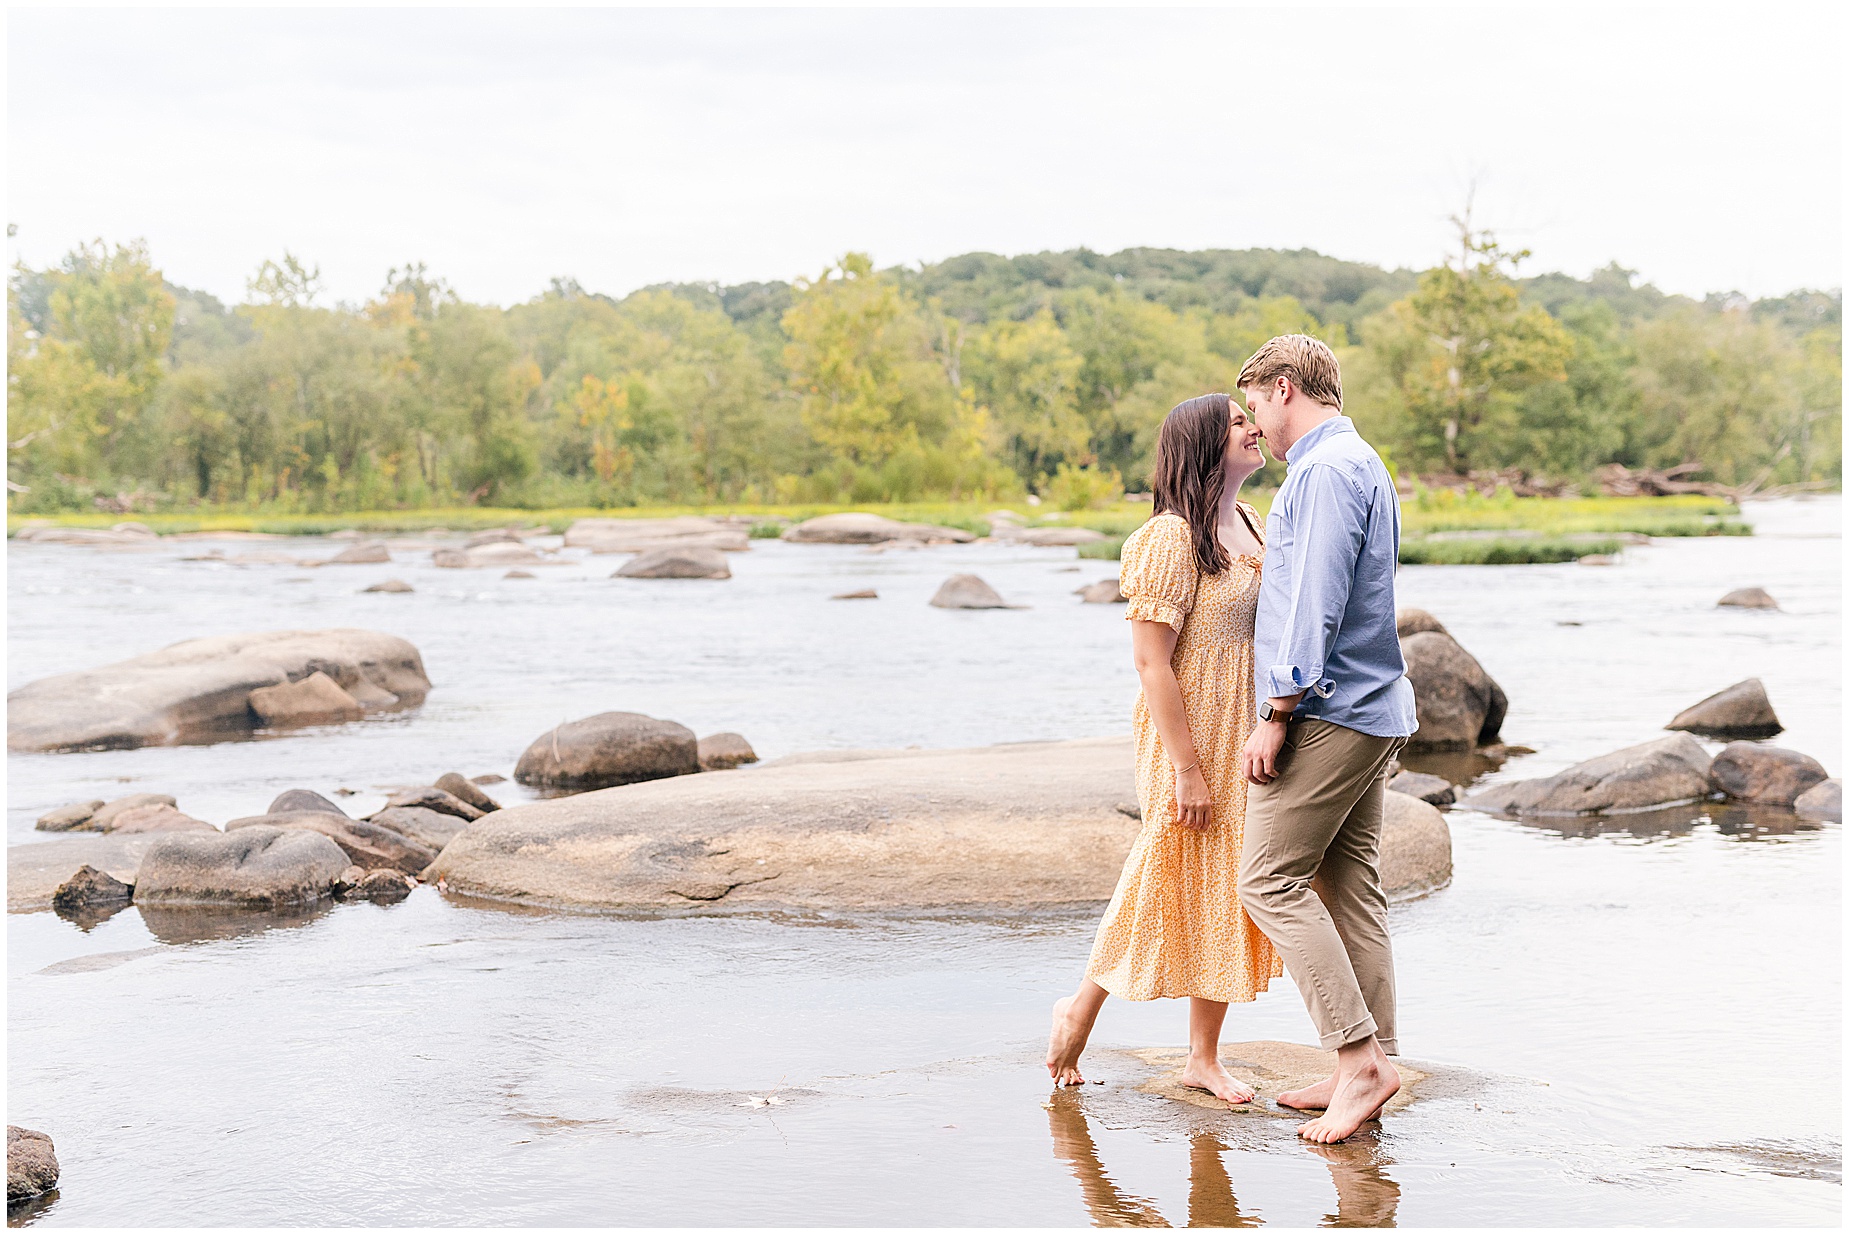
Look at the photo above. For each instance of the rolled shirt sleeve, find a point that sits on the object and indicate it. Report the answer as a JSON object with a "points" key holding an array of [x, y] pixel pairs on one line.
{"points": [[1328, 523]]}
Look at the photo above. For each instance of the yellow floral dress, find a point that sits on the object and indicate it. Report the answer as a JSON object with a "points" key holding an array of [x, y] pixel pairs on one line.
{"points": [[1175, 926]]}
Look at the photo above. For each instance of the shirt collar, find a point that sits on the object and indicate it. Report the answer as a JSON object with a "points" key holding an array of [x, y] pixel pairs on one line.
{"points": [[1309, 441]]}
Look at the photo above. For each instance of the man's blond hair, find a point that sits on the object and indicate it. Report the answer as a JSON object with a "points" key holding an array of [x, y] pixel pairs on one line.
{"points": [[1308, 363]]}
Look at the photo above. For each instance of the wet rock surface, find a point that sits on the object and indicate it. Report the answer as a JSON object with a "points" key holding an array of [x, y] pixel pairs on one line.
{"points": [[34, 872], [31, 1164], [1653, 774], [1741, 711], [1433, 789], [315, 700], [721, 752], [90, 888], [1459, 705], [202, 687], [1271, 1068], [611, 748], [251, 867], [1747, 598], [1823, 800], [967, 592], [1753, 772], [676, 563]]}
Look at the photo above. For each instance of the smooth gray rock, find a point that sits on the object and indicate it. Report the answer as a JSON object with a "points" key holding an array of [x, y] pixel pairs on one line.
{"points": [[303, 799], [256, 867], [103, 819], [1823, 800], [1740, 711], [68, 818], [315, 700], [1460, 706], [366, 843], [432, 798], [868, 529], [1103, 592], [465, 790], [1435, 790], [364, 554], [967, 592], [203, 686], [390, 585], [31, 1164], [430, 828], [611, 748], [1665, 772], [1748, 598], [1417, 622], [722, 751], [676, 563], [1753, 772], [1415, 848]]}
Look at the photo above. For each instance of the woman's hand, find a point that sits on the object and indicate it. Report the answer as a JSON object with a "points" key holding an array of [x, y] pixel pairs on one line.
{"points": [[1193, 804]]}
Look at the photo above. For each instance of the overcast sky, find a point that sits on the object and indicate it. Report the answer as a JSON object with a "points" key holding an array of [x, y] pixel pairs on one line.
{"points": [[627, 147]]}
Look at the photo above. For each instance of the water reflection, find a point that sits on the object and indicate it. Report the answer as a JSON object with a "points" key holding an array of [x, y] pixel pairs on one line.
{"points": [[28, 1211], [198, 924], [1364, 1196], [87, 918], [1742, 821]]}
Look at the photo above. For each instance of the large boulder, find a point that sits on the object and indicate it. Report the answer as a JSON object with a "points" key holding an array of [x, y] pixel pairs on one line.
{"points": [[302, 799], [610, 748], [202, 688], [367, 844], [1018, 825], [1747, 598], [1752, 772], [34, 872], [1415, 848], [1740, 711], [1417, 622], [677, 563], [1665, 772], [31, 1164], [967, 592], [431, 828], [1460, 706], [721, 752], [644, 535], [251, 867], [867, 529], [1823, 800], [315, 700]]}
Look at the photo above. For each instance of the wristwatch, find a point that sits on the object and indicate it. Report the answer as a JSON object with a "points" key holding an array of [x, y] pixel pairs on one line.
{"points": [[1267, 712]]}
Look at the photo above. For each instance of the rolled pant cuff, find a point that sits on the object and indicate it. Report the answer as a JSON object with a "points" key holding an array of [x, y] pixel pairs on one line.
{"points": [[1390, 1045], [1360, 1031]]}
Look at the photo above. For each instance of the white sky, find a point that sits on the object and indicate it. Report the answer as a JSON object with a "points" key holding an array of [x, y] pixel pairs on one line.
{"points": [[626, 147]]}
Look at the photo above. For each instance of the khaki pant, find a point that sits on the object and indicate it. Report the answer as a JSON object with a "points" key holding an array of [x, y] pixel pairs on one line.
{"points": [[1310, 877]]}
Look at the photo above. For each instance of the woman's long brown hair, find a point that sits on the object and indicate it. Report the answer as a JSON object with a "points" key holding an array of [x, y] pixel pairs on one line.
{"points": [[1190, 473]]}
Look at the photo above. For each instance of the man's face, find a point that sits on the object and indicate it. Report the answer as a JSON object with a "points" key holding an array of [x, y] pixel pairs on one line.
{"points": [[1265, 404]]}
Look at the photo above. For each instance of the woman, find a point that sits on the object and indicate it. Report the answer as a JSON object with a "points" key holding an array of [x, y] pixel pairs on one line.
{"points": [[1175, 927]]}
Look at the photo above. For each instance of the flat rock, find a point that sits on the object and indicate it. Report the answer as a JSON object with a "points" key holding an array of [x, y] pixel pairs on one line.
{"points": [[519, 574], [31, 1164], [1045, 537], [722, 751], [865, 593], [644, 535], [1020, 824], [89, 888], [365, 843], [303, 799], [1665, 772], [68, 818], [967, 592], [1103, 592], [1271, 1068], [430, 797], [1753, 772], [869, 529], [677, 563], [353, 555], [1748, 598], [465, 790], [34, 872], [47, 535], [1434, 789], [1460, 706], [504, 553], [1823, 800], [251, 867], [1740, 711], [390, 585], [431, 828], [610, 748], [493, 536], [156, 818], [315, 700], [1417, 622], [202, 688]]}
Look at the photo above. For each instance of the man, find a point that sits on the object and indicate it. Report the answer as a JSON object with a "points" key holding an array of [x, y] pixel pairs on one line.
{"points": [[1336, 707]]}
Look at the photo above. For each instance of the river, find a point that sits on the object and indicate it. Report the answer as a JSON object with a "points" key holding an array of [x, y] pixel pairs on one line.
{"points": [[1638, 1024]]}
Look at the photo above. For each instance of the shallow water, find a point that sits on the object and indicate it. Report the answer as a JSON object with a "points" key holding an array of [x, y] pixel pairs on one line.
{"points": [[442, 1062]]}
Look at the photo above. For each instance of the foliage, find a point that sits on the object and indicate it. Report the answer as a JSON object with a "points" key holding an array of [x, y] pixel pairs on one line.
{"points": [[1084, 488], [1501, 551]]}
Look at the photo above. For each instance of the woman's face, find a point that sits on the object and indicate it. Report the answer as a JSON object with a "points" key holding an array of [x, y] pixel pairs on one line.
{"points": [[1243, 455]]}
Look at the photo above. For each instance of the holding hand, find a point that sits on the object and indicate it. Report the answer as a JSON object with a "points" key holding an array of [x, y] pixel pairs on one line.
{"points": [[1193, 803]]}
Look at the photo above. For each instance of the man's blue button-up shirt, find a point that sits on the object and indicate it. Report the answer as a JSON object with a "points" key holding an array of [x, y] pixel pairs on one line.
{"points": [[1325, 608]]}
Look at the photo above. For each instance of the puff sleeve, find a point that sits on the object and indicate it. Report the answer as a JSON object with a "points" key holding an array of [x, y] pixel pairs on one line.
{"points": [[1159, 572]]}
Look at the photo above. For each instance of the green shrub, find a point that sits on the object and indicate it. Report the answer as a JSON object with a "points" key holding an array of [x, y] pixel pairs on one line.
{"points": [[1500, 551], [1083, 488]]}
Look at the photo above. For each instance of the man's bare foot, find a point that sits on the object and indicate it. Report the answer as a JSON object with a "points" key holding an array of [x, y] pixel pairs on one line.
{"points": [[1066, 1044], [1212, 1076], [1314, 1098], [1358, 1098]]}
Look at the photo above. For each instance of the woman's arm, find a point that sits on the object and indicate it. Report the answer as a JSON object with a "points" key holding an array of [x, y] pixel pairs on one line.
{"points": [[1152, 644]]}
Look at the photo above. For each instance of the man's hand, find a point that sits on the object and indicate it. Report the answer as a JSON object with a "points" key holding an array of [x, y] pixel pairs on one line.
{"points": [[1260, 758], [1193, 804]]}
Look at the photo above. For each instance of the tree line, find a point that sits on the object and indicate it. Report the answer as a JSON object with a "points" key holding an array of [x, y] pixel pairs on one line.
{"points": [[979, 376]]}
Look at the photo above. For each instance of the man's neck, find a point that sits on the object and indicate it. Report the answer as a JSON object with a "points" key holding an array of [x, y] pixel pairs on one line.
{"points": [[1303, 422]]}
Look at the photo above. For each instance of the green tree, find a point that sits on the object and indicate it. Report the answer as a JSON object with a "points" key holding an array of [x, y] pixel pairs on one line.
{"points": [[1026, 375]]}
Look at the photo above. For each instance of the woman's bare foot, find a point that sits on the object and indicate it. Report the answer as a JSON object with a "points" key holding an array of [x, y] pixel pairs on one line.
{"points": [[1066, 1044], [1358, 1097], [1212, 1076], [1314, 1098]]}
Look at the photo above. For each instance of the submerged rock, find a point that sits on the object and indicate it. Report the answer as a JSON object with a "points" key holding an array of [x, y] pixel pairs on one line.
{"points": [[1433, 789], [722, 751], [203, 686], [463, 789], [68, 818], [90, 888], [315, 700], [1665, 772], [1751, 772], [251, 867], [1823, 800], [1460, 706], [31, 1164], [611, 748], [1740, 711], [967, 592], [390, 585], [868, 529], [365, 842], [1103, 592], [1747, 598], [1021, 824], [679, 563]]}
